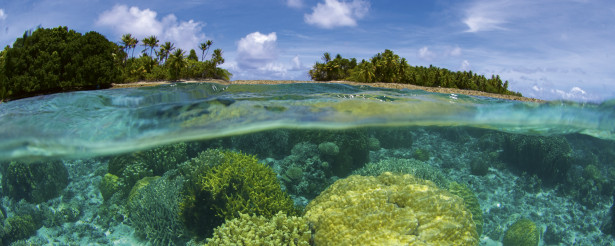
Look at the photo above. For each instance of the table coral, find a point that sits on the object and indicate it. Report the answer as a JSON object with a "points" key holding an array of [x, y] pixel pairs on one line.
{"points": [[390, 209]]}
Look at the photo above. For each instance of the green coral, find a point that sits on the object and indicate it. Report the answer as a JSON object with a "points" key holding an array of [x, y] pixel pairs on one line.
{"points": [[109, 185], [18, 227], [547, 157], [258, 230], [35, 182], [230, 184], [130, 168], [421, 154], [154, 207], [471, 202], [523, 232]]}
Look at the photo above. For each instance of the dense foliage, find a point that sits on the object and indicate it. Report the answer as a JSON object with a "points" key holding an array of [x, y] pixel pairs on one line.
{"points": [[388, 67], [50, 60]]}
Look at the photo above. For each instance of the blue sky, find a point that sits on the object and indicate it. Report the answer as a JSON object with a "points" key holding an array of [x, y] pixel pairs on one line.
{"points": [[549, 49]]}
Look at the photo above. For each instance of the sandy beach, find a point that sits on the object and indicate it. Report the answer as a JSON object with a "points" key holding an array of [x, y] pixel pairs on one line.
{"points": [[383, 85]]}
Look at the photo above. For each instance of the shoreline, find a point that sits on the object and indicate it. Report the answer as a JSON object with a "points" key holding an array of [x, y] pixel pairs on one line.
{"points": [[377, 84]]}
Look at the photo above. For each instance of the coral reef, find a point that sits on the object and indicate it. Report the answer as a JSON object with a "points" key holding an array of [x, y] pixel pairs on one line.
{"points": [[304, 173], [226, 184], [35, 182], [393, 137], [354, 146], [547, 157], [471, 202], [405, 166], [130, 168], [390, 209], [523, 232], [259, 230], [154, 210]]}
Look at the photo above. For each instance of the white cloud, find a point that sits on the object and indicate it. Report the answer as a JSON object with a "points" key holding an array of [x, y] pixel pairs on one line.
{"points": [[334, 13], [142, 23], [426, 54], [2, 15], [465, 66], [296, 63], [257, 50], [294, 3], [455, 52], [487, 15]]}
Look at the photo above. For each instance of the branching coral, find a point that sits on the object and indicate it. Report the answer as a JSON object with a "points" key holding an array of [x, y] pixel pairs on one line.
{"points": [[154, 210], [389, 209], [258, 230]]}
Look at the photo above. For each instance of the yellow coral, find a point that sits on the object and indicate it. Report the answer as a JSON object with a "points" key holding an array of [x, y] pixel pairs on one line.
{"points": [[258, 230], [139, 185], [390, 209]]}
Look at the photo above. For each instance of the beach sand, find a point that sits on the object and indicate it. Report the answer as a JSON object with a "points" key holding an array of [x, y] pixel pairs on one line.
{"points": [[383, 85]]}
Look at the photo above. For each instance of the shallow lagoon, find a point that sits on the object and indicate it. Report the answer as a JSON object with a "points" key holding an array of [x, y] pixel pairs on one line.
{"points": [[72, 161]]}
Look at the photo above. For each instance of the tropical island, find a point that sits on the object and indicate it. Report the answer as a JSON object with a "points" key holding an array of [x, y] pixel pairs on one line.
{"points": [[51, 60]]}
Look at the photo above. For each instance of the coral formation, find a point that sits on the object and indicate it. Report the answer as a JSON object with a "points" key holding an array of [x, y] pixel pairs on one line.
{"points": [[304, 173], [17, 228], [130, 168], [421, 154], [353, 148], [259, 230], [523, 232], [390, 209], [471, 202], [35, 182], [405, 166], [154, 210], [328, 148], [227, 184], [109, 184], [547, 157]]}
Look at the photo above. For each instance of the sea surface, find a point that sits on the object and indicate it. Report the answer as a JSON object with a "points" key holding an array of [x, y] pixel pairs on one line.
{"points": [[123, 166]]}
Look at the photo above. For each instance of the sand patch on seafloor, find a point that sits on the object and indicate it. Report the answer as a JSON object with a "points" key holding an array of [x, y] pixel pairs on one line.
{"points": [[383, 85]]}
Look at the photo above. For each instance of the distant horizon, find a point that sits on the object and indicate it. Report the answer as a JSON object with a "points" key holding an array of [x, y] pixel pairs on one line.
{"points": [[547, 50]]}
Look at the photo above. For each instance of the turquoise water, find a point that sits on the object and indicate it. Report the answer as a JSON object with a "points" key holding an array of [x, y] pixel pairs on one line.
{"points": [[552, 163]]}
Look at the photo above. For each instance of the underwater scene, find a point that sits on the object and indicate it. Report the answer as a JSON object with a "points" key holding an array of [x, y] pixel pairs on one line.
{"points": [[303, 164]]}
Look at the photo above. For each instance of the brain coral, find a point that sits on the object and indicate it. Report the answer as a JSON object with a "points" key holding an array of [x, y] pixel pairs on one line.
{"points": [[390, 209]]}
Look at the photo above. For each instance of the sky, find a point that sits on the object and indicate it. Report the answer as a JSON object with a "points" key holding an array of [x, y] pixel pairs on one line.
{"points": [[547, 49]]}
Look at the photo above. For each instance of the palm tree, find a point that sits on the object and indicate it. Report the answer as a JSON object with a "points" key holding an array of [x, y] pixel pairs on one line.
{"points": [[165, 50], [216, 57], [176, 63], [150, 42], [126, 41], [133, 44], [326, 57], [205, 47]]}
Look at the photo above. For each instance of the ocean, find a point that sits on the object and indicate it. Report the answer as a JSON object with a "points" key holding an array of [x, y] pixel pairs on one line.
{"points": [[304, 164]]}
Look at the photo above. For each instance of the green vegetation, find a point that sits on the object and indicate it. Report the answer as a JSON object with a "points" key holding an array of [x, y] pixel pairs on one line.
{"points": [[50, 60], [388, 67]]}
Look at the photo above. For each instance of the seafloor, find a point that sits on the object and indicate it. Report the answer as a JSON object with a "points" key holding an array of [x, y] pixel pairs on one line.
{"points": [[569, 209]]}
